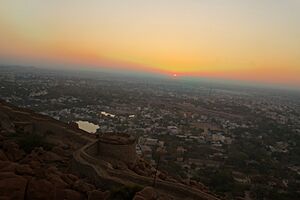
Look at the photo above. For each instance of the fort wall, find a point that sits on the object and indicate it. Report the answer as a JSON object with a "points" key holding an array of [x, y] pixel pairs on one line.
{"points": [[91, 171], [92, 149]]}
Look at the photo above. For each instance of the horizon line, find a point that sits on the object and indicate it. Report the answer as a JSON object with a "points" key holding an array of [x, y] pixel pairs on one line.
{"points": [[170, 76]]}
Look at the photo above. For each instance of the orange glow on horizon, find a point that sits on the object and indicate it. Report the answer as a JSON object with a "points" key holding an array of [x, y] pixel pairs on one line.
{"points": [[183, 38]]}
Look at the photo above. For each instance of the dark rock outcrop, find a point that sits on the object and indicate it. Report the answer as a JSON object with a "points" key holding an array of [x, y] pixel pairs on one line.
{"points": [[40, 189], [148, 193], [12, 186], [83, 187], [98, 195]]}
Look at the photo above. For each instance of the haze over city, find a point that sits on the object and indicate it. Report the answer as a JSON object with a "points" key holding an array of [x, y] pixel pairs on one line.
{"points": [[251, 40]]}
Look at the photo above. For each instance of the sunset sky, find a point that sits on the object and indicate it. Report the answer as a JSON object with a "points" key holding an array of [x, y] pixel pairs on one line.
{"points": [[251, 40]]}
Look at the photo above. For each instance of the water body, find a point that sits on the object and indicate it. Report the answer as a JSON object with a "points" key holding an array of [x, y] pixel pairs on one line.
{"points": [[88, 126], [107, 114]]}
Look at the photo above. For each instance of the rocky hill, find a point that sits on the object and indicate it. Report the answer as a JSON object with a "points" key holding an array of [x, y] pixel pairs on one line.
{"points": [[36, 155]]}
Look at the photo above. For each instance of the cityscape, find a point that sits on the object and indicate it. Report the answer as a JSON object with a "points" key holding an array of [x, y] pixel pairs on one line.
{"points": [[237, 141]]}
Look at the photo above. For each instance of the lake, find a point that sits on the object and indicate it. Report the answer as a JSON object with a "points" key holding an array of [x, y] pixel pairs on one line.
{"points": [[88, 126]]}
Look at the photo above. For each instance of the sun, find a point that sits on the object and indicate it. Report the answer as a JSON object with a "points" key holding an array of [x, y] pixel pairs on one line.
{"points": [[174, 75]]}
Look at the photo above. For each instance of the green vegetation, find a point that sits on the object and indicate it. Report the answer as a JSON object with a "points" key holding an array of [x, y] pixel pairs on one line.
{"points": [[173, 169], [221, 182]]}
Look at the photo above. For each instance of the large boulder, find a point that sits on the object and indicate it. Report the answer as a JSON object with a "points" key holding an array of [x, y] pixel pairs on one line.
{"points": [[68, 194], [12, 151], [162, 176], [5, 123], [49, 156], [82, 186], [69, 178], [32, 157], [141, 172], [24, 170], [7, 166], [148, 193], [57, 181], [40, 189], [165, 197], [98, 195], [3, 157], [35, 164], [40, 172], [12, 186], [53, 170]]}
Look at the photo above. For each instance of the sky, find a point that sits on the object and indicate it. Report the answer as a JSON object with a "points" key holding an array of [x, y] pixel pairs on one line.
{"points": [[247, 40]]}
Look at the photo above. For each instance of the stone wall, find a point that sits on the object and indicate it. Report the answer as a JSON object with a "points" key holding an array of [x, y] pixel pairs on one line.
{"points": [[88, 170], [92, 149]]}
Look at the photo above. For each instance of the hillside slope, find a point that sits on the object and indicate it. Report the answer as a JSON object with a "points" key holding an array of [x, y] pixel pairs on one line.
{"points": [[36, 156]]}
